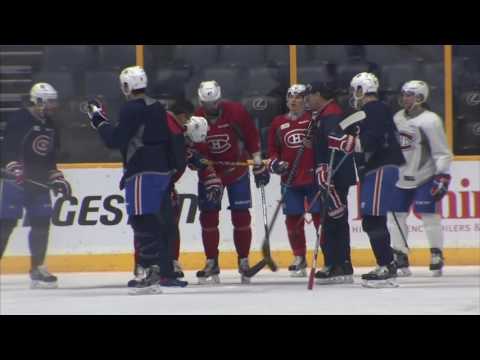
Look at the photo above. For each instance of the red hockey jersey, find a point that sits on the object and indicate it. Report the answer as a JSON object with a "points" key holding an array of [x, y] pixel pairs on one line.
{"points": [[232, 137], [285, 138]]}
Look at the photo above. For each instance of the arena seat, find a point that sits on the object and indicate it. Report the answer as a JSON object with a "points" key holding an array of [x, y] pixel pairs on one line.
{"points": [[117, 56], [243, 55], [198, 56], [68, 57]]}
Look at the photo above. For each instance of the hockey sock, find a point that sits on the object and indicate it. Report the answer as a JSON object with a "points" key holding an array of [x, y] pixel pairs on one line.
{"points": [[6, 229], [242, 232], [210, 234], [397, 226], [376, 228], [338, 237], [147, 233], [38, 240], [432, 223], [296, 234], [169, 234]]}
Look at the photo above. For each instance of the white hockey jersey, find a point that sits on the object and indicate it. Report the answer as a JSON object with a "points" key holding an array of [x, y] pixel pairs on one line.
{"points": [[424, 146]]}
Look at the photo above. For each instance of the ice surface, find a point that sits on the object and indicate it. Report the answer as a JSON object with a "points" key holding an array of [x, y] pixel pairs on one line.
{"points": [[457, 292]]}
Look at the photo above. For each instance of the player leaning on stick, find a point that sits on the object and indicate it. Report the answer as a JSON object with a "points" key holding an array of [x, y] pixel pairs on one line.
{"points": [[335, 244], [287, 134], [424, 179], [152, 145], [377, 141], [232, 137], [29, 154]]}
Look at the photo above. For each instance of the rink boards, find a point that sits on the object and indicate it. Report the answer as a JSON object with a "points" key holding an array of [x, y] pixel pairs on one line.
{"points": [[90, 231]]}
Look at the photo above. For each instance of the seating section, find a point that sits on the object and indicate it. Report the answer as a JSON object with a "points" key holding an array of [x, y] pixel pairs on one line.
{"points": [[62, 81], [117, 56], [68, 57], [198, 56], [243, 55]]}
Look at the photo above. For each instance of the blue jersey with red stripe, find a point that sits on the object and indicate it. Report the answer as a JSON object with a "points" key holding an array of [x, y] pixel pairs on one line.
{"points": [[149, 140]]}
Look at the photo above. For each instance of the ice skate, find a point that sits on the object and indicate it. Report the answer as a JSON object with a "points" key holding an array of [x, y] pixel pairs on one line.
{"points": [[210, 273], [177, 269], [335, 275], [403, 265], [42, 279], [381, 277], [140, 274], [150, 285], [169, 282], [299, 267], [243, 266], [436, 262]]}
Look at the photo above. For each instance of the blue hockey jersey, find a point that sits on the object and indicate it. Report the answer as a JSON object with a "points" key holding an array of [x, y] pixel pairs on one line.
{"points": [[31, 141], [148, 140]]}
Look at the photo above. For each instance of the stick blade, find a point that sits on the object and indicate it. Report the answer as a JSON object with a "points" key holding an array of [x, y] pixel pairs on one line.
{"points": [[352, 119]]}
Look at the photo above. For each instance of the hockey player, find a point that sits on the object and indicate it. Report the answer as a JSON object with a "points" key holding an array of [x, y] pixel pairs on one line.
{"points": [[335, 244], [424, 179], [153, 151], [287, 134], [195, 130], [29, 155], [232, 137], [377, 140]]}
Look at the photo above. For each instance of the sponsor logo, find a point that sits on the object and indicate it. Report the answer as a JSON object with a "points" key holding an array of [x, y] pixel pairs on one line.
{"points": [[260, 104], [472, 98]]}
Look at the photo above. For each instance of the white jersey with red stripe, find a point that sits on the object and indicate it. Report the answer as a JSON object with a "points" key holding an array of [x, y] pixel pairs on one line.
{"points": [[424, 146]]}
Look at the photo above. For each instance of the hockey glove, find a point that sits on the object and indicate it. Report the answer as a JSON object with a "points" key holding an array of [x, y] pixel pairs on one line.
{"points": [[58, 184], [213, 184], [261, 174], [441, 183], [345, 143], [15, 168], [278, 167], [96, 113], [322, 176], [336, 208], [195, 161]]}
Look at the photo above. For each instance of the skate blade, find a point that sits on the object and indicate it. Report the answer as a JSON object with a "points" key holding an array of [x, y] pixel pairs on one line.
{"points": [[404, 272], [212, 280], [437, 273], [43, 285], [298, 274], [151, 290], [338, 280], [379, 284], [245, 280]]}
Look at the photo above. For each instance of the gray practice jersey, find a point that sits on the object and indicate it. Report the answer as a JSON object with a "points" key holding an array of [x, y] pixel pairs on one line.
{"points": [[424, 146]]}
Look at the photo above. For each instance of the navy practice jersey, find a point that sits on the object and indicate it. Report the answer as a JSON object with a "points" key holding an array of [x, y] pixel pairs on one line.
{"points": [[379, 138], [31, 141], [148, 140]]}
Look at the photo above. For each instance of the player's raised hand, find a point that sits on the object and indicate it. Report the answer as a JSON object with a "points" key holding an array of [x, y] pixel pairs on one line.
{"points": [[96, 112]]}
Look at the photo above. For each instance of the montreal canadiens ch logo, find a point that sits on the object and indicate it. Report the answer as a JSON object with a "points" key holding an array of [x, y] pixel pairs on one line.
{"points": [[294, 138], [218, 144], [41, 145], [406, 141]]}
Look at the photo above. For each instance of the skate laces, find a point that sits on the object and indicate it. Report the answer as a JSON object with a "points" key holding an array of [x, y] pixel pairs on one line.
{"points": [[436, 259], [176, 266], [380, 270], [299, 260]]}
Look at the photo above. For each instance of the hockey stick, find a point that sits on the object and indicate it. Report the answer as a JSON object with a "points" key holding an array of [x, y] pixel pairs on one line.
{"points": [[266, 244], [321, 227], [267, 257], [12, 176], [319, 192], [232, 163], [400, 230]]}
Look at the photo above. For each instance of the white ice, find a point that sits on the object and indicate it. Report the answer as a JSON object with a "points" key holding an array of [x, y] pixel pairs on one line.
{"points": [[457, 292]]}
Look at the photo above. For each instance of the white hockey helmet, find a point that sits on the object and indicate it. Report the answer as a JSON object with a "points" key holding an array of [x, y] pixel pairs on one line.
{"points": [[297, 90], [362, 84], [209, 92], [197, 129], [40, 93], [133, 78], [417, 88]]}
